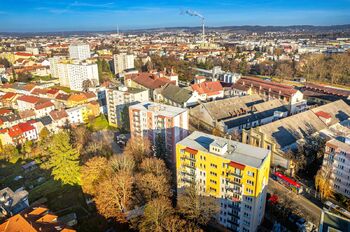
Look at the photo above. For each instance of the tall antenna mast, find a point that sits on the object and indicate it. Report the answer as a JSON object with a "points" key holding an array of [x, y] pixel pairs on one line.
{"points": [[203, 30]]}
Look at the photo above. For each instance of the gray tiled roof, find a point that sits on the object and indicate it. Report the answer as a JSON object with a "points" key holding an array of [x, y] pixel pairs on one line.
{"points": [[288, 130], [230, 107], [176, 94]]}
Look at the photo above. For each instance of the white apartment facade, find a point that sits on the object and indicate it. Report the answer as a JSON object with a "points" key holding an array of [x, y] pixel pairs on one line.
{"points": [[150, 120], [122, 62], [79, 51], [336, 164], [75, 115], [73, 75], [54, 61], [118, 99]]}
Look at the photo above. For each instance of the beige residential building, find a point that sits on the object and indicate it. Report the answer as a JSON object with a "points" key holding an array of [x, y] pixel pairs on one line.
{"points": [[150, 120], [122, 62], [118, 101], [79, 51]]}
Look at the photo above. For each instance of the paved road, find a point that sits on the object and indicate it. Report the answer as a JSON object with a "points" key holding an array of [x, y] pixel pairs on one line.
{"points": [[308, 208]]}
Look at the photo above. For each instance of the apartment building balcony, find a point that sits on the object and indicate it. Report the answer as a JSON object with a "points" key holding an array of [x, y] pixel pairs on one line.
{"points": [[190, 174], [188, 157], [233, 190], [235, 223], [188, 166], [187, 180], [233, 181], [234, 215], [234, 207], [230, 173]]}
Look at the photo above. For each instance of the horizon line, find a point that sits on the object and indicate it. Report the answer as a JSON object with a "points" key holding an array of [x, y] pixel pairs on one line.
{"points": [[167, 27]]}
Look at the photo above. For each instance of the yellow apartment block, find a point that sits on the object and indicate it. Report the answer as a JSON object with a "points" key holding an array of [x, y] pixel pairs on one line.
{"points": [[236, 174]]}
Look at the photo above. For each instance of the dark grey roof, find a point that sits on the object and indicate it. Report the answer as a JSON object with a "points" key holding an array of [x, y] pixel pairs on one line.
{"points": [[332, 222], [13, 202], [10, 118], [253, 116], [176, 94], [46, 120], [288, 130], [229, 107]]}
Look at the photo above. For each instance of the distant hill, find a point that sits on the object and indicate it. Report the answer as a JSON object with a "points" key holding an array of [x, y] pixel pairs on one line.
{"points": [[307, 29]]}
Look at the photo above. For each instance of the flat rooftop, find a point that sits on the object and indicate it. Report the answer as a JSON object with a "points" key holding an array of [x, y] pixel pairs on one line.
{"points": [[333, 223], [159, 109], [237, 152]]}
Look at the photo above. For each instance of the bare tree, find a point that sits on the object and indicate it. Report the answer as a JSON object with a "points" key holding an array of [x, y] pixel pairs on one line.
{"points": [[93, 172], [197, 208], [155, 215], [177, 224], [122, 163], [138, 148], [114, 196], [284, 70], [153, 181]]}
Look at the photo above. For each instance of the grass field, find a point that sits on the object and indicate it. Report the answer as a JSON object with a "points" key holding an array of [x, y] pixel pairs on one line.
{"points": [[99, 123], [61, 199]]}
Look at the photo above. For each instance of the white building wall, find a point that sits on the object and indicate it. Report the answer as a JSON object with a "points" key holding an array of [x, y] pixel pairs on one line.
{"points": [[79, 51]]}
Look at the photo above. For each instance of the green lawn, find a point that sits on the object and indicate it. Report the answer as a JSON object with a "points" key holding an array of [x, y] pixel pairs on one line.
{"points": [[65, 89], [43, 78], [8, 172], [99, 123], [62, 199]]}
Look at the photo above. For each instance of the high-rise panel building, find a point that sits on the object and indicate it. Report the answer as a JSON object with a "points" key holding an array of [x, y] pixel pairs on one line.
{"points": [[54, 61], [336, 165], [161, 124], [78, 76], [235, 174], [79, 51], [122, 62], [118, 101]]}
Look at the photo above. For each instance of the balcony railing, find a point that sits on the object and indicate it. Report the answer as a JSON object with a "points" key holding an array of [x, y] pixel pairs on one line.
{"points": [[188, 180], [235, 174], [188, 166], [232, 181]]}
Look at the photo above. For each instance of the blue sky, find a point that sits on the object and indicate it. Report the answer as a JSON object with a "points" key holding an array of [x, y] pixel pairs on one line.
{"points": [[58, 15]]}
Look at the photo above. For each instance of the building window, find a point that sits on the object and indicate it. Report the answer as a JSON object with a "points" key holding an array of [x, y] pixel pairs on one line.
{"points": [[249, 173], [249, 182]]}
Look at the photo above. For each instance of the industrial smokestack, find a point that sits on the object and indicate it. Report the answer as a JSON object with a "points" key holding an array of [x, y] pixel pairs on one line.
{"points": [[196, 14]]}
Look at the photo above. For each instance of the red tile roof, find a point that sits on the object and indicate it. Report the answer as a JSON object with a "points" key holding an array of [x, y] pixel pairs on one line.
{"points": [[149, 80], [209, 88], [26, 127], [53, 91], [328, 90], [62, 96], [43, 105], [33, 220], [4, 111], [58, 114], [15, 131], [259, 84], [8, 95], [26, 113], [89, 95], [323, 114], [30, 99], [38, 91], [23, 54]]}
